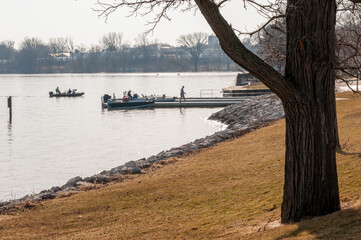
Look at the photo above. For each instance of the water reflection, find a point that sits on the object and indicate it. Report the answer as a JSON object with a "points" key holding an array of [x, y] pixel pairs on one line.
{"points": [[182, 111], [10, 132]]}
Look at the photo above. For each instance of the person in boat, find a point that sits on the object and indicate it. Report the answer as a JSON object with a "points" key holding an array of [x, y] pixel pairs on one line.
{"points": [[69, 91], [182, 95], [125, 99], [74, 91], [130, 95], [57, 91]]}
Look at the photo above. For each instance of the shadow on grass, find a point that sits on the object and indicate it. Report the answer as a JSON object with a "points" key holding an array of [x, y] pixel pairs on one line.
{"points": [[348, 153], [345, 224]]}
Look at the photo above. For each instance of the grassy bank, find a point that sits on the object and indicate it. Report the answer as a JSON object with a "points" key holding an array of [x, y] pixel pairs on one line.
{"points": [[230, 191]]}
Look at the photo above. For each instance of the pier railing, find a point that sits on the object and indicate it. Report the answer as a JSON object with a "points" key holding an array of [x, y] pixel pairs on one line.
{"points": [[209, 93]]}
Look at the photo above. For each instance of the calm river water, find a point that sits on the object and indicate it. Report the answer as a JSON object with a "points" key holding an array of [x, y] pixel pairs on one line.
{"points": [[52, 140]]}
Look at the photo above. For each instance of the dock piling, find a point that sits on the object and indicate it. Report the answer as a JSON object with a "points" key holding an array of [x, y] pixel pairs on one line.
{"points": [[10, 109]]}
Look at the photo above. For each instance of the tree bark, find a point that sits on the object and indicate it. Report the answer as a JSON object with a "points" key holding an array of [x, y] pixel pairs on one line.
{"points": [[307, 92], [311, 187]]}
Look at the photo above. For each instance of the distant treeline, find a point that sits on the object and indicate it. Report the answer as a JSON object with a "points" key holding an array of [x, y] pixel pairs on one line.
{"points": [[196, 52]]}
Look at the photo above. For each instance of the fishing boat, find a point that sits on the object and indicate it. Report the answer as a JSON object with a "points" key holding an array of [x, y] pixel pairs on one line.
{"points": [[135, 102], [162, 98], [129, 104], [51, 94]]}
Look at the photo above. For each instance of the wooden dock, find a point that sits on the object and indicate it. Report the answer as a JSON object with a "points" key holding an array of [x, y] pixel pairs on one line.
{"points": [[241, 91], [196, 103]]}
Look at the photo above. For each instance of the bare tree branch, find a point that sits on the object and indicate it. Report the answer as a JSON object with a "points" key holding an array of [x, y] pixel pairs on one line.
{"points": [[263, 26]]}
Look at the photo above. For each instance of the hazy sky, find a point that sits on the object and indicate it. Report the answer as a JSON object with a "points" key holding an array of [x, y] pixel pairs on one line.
{"points": [[75, 18]]}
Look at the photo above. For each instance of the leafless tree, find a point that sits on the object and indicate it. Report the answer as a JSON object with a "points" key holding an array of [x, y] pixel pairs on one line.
{"points": [[143, 43], [143, 47], [31, 50], [195, 44], [146, 50], [58, 45], [348, 51], [79, 53], [7, 49], [93, 60], [70, 47], [307, 88], [271, 42], [112, 42]]}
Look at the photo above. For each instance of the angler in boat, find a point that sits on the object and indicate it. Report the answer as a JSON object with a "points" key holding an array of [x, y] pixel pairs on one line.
{"points": [[69, 93]]}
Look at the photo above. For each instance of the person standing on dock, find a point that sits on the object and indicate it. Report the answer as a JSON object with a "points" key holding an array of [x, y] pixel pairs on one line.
{"points": [[182, 95]]}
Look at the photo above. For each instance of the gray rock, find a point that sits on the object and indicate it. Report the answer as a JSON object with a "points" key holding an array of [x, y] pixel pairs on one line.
{"points": [[113, 172], [97, 178], [55, 189], [104, 172], [48, 195], [160, 158], [135, 170], [176, 153], [152, 159], [142, 163], [72, 182], [145, 164], [118, 168], [160, 154], [130, 164]]}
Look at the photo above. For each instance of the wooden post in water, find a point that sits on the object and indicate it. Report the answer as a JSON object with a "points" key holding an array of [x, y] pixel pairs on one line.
{"points": [[10, 109]]}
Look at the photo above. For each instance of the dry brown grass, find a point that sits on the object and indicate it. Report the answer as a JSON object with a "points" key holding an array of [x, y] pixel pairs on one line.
{"points": [[230, 191]]}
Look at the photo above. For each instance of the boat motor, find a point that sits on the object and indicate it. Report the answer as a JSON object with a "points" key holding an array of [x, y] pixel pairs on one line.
{"points": [[106, 97]]}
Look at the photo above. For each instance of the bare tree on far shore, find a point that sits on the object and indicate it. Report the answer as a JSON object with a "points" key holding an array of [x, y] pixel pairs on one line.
{"points": [[58, 46], [143, 46], [7, 49], [195, 44], [112, 43], [30, 52]]}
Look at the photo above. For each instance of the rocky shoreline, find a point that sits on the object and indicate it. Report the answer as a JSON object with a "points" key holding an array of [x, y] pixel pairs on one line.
{"points": [[241, 118]]}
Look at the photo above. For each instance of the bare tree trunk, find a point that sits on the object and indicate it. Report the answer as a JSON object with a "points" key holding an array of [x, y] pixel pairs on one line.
{"points": [[195, 66], [311, 187]]}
